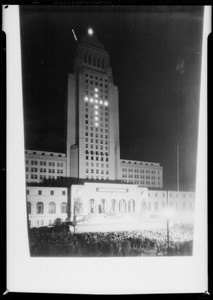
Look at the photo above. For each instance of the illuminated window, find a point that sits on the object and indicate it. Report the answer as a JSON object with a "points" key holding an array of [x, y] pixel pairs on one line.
{"points": [[96, 101], [96, 124], [40, 208], [106, 103], [96, 112], [63, 207], [86, 98], [52, 208], [96, 106], [96, 118], [101, 102], [102, 63], [91, 100], [96, 90]]}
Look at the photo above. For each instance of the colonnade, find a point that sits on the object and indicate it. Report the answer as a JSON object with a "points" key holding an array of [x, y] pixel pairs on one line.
{"points": [[114, 206]]}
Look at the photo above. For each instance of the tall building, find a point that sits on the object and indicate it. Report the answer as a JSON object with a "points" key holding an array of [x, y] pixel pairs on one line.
{"points": [[93, 146], [93, 153]]}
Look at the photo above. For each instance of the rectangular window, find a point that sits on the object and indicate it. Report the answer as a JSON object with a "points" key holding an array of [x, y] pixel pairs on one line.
{"points": [[39, 192], [51, 192]]}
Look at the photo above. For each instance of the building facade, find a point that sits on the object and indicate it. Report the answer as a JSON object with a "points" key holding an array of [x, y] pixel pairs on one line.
{"points": [[93, 146], [40, 165], [145, 174], [46, 204]]}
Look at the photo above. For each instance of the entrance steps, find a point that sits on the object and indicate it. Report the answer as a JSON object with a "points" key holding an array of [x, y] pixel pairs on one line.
{"points": [[128, 222], [110, 219]]}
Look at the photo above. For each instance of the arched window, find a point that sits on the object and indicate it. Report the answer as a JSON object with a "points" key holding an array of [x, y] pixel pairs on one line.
{"points": [[85, 58], [102, 64], [98, 62], [94, 61], [89, 60], [28, 207], [52, 209], [40, 208], [103, 204], [113, 205], [63, 207], [92, 206]]}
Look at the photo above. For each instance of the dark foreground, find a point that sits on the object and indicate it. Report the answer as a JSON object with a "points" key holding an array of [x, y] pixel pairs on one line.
{"points": [[59, 241]]}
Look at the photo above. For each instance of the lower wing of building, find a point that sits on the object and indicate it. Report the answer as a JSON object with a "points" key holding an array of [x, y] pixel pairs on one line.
{"points": [[46, 205]]}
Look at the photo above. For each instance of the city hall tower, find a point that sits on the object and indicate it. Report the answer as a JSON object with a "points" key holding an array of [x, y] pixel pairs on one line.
{"points": [[93, 146]]}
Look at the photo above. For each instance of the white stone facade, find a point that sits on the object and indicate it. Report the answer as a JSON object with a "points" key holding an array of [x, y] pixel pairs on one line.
{"points": [[41, 165], [180, 204], [147, 174], [45, 205], [107, 199]]}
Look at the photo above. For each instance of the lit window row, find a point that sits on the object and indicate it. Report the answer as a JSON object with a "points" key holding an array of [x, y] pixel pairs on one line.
{"points": [[95, 77], [97, 165], [91, 100], [97, 177], [97, 158], [97, 171]]}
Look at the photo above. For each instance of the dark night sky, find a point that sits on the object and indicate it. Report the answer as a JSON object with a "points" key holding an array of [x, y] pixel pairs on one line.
{"points": [[158, 102]]}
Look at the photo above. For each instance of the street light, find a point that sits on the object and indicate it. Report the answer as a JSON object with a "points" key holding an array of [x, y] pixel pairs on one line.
{"points": [[167, 214]]}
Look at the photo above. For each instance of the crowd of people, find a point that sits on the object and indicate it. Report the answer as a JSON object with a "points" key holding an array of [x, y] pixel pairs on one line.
{"points": [[59, 241]]}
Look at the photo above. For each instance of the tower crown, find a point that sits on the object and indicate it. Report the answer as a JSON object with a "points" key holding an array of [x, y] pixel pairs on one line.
{"points": [[90, 53], [90, 40]]}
